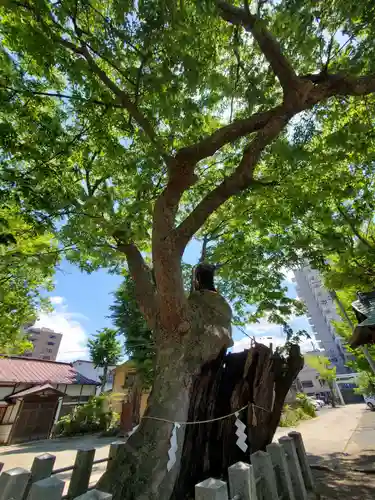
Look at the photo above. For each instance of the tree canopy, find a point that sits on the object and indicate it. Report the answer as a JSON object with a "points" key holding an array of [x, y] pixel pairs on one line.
{"points": [[138, 338], [27, 261], [105, 350], [100, 100]]}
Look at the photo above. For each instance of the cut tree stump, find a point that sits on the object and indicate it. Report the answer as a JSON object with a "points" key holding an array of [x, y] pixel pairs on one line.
{"points": [[230, 382]]}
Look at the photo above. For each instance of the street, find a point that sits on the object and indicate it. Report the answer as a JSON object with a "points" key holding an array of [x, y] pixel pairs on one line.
{"points": [[333, 434], [347, 429]]}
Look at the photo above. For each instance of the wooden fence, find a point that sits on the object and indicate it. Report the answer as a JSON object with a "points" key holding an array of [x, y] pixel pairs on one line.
{"points": [[280, 473], [41, 483]]}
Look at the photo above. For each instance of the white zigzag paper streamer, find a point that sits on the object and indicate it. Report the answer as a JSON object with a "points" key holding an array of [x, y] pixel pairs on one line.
{"points": [[240, 432], [133, 430], [173, 447]]}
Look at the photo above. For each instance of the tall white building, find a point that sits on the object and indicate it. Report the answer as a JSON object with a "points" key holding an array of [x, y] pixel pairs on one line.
{"points": [[321, 311]]}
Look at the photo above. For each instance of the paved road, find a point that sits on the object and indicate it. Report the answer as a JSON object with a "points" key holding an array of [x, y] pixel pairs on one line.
{"points": [[335, 431]]}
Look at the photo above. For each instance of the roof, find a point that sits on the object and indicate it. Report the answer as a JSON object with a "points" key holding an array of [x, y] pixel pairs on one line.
{"points": [[35, 390], [37, 371]]}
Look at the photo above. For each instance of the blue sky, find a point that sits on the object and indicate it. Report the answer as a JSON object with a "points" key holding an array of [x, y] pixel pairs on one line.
{"points": [[81, 307]]}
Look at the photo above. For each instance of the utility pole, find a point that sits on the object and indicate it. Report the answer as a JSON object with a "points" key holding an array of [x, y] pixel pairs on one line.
{"points": [[365, 351]]}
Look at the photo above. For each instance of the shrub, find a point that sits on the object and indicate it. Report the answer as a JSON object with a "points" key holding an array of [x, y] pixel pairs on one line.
{"points": [[305, 403], [302, 409], [94, 416]]}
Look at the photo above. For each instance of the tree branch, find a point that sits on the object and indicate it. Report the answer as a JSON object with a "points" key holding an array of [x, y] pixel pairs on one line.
{"points": [[342, 84], [141, 274], [238, 181], [350, 223], [59, 95], [267, 43], [226, 135], [121, 95]]}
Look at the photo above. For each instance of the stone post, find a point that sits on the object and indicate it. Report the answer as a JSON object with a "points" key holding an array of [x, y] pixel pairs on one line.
{"points": [[284, 482], [294, 468], [94, 495], [303, 461], [13, 483], [242, 481], [42, 467], [80, 479], [211, 489], [50, 488], [113, 450], [263, 468]]}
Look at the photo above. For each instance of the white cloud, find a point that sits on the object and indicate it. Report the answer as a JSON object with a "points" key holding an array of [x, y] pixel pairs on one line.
{"points": [[74, 339], [271, 333], [56, 300]]}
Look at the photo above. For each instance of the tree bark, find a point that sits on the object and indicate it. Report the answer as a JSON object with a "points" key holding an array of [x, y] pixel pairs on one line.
{"points": [[196, 380], [104, 377], [140, 472]]}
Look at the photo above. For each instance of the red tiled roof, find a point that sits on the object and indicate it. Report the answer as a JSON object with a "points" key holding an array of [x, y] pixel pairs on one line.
{"points": [[35, 371]]}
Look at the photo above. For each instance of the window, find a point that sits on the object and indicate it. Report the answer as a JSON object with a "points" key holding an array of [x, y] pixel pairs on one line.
{"points": [[51, 343], [52, 336], [307, 383], [48, 350], [46, 357]]}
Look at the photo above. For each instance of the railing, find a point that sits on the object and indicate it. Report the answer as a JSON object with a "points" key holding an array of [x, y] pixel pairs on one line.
{"points": [[280, 473], [41, 483]]}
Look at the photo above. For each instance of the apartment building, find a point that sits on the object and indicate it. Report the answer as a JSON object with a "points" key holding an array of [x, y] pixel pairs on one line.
{"points": [[46, 343], [321, 312]]}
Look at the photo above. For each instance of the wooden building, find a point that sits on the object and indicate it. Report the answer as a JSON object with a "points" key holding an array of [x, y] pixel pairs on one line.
{"points": [[35, 393]]}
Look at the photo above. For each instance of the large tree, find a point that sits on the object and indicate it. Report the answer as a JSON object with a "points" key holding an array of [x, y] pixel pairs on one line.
{"points": [[134, 126]]}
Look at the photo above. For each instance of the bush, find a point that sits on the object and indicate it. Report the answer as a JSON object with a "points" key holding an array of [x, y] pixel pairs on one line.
{"points": [[305, 403], [94, 416], [302, 409]]}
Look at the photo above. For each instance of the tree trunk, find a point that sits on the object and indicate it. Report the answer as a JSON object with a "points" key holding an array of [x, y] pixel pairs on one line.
{"points": [[333, 395], [195, 380], [104, 378]]}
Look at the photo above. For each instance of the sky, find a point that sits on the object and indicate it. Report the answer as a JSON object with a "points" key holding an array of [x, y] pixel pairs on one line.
{"points": [[81, 304]]}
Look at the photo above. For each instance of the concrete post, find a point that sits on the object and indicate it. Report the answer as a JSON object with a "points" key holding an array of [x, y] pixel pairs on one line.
{"points": [[303, 461], [284, 482], [50, 488], [211, 489], [94, 495], [263, 468], [295, 472], [113, 451], [242, 481], [42, 467], [13, 483], [80, 479]]}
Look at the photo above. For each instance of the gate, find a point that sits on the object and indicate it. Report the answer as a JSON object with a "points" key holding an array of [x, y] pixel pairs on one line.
{"points": [[35, 418]]}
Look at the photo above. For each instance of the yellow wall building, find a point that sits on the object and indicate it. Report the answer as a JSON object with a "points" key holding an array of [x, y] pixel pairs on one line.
{"points": [[124, 383]]}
